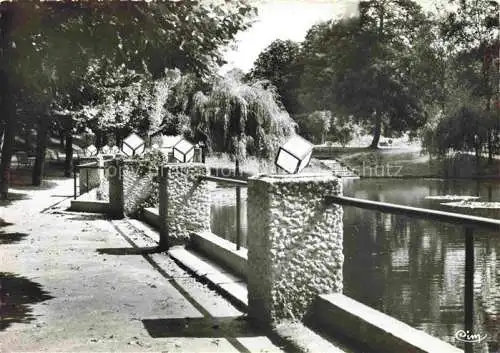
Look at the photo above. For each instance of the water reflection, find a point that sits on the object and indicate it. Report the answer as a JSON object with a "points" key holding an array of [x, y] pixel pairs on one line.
{"points": [[413, 269], [418, 265], [223, 211]]}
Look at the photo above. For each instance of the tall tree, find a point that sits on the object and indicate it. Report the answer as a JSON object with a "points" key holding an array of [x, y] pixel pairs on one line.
{"points": [[57, 40], [240, 118], [7, 23], [472, 29], [279, 63], [367, 67]]}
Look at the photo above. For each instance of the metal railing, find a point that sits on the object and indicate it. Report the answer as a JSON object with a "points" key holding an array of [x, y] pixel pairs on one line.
{"points": [[466, 221], [238, 184]]}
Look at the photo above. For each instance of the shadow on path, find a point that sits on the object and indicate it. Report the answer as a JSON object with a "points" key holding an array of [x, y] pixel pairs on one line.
{"points": [[129, 251], [4, 223], [10, 238], [91, 217], [46, 185], [216, 327], [16, 295], [12, 197]]}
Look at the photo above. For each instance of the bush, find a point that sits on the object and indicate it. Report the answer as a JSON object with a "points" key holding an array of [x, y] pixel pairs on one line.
{"points": [[149, 162]]}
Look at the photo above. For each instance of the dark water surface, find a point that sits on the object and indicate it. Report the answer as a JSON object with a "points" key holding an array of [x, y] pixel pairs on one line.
{"points": [[411, 269]]}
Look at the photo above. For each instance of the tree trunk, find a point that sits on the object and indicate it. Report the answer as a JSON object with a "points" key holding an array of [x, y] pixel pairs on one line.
{"points": [[378, 117], [377, 131], [117, 137], [27, 139], [61, 139], [68, 160], [98, 139], [41, 147], [2, 129], [8, 144], [490, 146]]}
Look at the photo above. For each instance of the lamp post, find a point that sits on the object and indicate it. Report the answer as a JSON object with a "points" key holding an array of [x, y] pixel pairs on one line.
{"points": [[294, 155]]}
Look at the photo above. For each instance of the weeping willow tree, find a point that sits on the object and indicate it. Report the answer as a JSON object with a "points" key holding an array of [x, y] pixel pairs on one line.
{"points": [[241, 119]]}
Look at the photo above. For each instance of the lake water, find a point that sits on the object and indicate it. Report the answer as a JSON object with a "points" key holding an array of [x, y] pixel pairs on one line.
{"points": [[410, 269]]}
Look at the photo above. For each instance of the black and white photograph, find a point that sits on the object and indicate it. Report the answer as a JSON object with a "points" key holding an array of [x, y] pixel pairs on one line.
{"points": [[250, 176]]}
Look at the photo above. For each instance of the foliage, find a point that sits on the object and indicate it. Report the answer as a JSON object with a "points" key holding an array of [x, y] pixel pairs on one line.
{"points": [[315, 126], [148, 163], [342, 130], [53, 45], [471, 31], [469, 24], [469, 81], [368, 67], [279, 63], [465, 130], [130, 101], [320, 126], [187, 35], [240, 118], [47, 48]]}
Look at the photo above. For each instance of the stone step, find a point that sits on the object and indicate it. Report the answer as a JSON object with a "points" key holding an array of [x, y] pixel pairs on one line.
{"points": [[339, 169]]}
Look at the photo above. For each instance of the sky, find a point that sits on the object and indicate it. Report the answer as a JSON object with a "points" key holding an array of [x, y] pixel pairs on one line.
{"points": [[285, 19]]}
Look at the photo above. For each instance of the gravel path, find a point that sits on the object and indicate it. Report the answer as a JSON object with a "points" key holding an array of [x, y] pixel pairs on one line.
{"points": [[80, 282]]}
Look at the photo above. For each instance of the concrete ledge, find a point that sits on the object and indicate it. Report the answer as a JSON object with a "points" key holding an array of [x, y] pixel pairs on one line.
{"points": [[220, 251], [338, 314], [90, 206], [303, 339], [148, 230], [295, 336], [228, 284], [152, 216]]}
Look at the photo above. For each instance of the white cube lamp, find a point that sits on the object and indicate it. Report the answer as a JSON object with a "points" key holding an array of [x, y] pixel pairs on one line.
{"points": [[91, 150], [183, 151], [294, 155], [106, 150], [133, 145]]}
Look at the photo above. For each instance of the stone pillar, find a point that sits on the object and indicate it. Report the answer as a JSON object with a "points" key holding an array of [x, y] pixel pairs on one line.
{"points": [[184, 202], [116, 199], [294, 244]]}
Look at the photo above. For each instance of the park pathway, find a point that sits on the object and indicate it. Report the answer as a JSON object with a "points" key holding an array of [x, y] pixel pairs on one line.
{"points": [[79, 282]]}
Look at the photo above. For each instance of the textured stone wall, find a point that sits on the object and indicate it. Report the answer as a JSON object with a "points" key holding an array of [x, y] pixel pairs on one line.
{"points": [[294, 244], [184, 202], [137, 186]]}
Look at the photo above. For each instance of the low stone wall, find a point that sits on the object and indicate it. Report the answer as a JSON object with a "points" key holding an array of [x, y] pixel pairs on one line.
{"points": [[184, 202], [137, 186], [294, 244]]}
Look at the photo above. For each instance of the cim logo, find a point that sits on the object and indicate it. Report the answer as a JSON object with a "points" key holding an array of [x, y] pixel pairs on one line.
{"points": [[467, 336]]}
